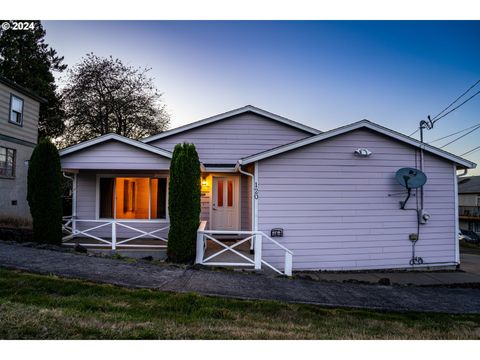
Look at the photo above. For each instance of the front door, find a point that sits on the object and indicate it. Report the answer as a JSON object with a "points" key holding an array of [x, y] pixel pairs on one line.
{"points": [[225, 203]]}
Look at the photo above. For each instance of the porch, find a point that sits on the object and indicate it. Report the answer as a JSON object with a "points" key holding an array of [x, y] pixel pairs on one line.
{"points": [[222, 248]]}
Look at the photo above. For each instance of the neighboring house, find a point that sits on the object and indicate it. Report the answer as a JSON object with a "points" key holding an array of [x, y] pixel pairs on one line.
{"points": [[469, 203], [281, 186], [19, 111]]}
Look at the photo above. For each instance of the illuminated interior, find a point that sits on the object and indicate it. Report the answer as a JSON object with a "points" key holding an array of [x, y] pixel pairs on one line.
{"points": [[132, 198]]}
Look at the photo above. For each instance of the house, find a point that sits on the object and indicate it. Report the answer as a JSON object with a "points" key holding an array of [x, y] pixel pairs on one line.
{"points": [[19, 111], [469, 203], [296, 197]]}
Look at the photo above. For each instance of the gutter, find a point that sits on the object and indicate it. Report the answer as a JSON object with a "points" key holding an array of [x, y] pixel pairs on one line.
{"points": [[238, 168]]}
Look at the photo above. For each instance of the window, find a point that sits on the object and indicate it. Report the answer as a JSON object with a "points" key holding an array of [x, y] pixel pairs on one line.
{"points": [[7, 162], [16, 110], [133, 198]]}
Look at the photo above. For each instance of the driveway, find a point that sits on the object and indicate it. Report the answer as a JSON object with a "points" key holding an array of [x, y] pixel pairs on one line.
{"points": [[238, 285]]}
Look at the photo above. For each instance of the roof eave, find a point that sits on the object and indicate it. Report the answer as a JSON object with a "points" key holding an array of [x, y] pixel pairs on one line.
{"points": [[347, 128], [123, 139], [212, 119]]}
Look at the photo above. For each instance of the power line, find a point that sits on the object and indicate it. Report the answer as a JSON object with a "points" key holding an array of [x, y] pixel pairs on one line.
{"points": [[470, 151], [413, 133], [455, 108], [440, 116], [455, 133], [458, 138], [458, 98]]}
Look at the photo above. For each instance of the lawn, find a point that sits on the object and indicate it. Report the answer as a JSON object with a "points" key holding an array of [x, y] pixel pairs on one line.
{"points": [[48, 307]]}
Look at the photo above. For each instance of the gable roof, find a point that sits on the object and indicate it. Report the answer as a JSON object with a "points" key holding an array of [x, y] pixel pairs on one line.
{"points": [[469, 185], [219, 117], [116, 137], [357, 125]]}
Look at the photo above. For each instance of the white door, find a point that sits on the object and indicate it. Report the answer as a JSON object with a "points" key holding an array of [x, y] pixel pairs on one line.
{"points": [[225, 203]]}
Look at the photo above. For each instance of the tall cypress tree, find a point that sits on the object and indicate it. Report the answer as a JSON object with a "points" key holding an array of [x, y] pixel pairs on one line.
{"points": [[183, 203], [28, 60], [44, 193]]}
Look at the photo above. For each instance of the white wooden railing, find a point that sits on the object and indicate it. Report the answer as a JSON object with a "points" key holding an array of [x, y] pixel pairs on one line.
{"points": [[256, 238], [70, 227]]}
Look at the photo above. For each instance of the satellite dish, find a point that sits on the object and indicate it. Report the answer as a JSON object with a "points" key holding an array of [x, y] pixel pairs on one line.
{"points": [[410, 178]]}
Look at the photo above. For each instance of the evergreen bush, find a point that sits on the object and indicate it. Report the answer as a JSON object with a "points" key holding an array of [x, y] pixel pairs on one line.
{"points": [[183, 203], [44, 193]]}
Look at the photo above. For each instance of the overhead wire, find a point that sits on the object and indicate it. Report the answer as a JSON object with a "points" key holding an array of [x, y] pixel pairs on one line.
{"points": [[455, 133], [442, 113], [471, 151], [462, 136], [436, 117]]}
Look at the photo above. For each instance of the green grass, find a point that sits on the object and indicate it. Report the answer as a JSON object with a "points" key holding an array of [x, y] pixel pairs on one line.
{"points": [[48, 307]]}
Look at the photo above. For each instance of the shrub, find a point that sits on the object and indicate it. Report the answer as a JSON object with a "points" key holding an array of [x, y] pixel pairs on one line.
{"points": [[44, 193], [183, 203]]}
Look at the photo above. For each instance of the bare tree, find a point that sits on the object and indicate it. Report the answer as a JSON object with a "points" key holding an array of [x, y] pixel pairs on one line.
{"points": [[102, 96]]}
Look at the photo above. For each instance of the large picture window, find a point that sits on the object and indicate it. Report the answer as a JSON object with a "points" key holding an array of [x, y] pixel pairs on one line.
{"points": [[133, 198]]}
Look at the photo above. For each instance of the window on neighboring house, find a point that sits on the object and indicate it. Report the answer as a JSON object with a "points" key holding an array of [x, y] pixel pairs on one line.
{"points": [[133, 198], [7, 162], [16, 110]]}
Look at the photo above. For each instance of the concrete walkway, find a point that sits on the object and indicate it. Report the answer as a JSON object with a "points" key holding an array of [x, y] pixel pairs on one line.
{"points": [[239, 285], [469, 274]]}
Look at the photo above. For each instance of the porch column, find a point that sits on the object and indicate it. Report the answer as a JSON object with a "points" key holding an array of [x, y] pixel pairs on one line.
{"points": [[74, 203], [114, 235]]}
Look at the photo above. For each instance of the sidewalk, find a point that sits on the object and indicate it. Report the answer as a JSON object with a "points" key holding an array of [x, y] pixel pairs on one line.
{"points": [[469, 274], [239, 285]]}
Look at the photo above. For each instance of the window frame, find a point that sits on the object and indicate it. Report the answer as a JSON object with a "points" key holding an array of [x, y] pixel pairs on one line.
{"points": [[150, 177], [10, 110], [14, 165]]}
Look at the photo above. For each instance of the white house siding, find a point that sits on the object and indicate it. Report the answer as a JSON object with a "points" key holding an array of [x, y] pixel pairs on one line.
{"points": [[336, 211], [226, 141], [114, 155]]}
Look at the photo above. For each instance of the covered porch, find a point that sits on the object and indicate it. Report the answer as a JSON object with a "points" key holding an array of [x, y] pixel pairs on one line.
{"points": [[120, 201]]}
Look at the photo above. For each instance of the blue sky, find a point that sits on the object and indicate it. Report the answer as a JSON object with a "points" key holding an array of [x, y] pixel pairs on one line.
{"points": [[321, 73]]}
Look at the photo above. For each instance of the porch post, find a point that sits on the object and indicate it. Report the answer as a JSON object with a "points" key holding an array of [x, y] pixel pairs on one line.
{"points": [[74, 204], [200, 248], [114, 235], [200, 253], [258, 251]]}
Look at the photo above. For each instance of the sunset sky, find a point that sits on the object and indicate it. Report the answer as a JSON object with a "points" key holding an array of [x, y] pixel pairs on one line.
{"points": [[321, 73]]}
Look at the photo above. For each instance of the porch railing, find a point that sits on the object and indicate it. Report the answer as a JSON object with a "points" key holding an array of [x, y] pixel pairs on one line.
{"points": [[255, 238], [71, 229]]}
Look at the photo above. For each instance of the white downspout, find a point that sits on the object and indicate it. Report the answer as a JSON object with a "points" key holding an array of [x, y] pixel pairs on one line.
{"points": [[238, 167], [457, 225]]}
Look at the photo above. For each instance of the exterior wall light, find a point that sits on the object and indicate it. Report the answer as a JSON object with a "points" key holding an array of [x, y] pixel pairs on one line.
{"points": [[362, 152]]}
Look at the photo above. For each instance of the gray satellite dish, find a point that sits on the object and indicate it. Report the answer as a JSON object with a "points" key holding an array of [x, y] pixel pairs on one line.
{"points": [[410, 178]]}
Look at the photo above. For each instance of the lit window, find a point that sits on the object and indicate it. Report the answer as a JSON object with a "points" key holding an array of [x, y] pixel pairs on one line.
{"points": [[7, 162], [133, 198], [16, 110]]}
